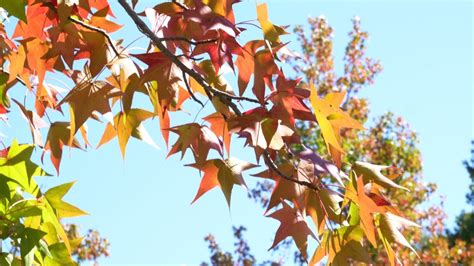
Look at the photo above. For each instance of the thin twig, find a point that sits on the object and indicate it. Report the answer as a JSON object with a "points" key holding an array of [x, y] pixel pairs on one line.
{"points": [[184, 39], [234, 97], [99, 30], [190, 91], [271, 164]]}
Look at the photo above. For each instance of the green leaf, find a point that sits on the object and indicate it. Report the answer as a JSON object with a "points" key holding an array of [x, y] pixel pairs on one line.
{"points": [[354, 215], [29, 240], [60, 256], [340, 245], [15, 8], [18, 167], [43, 247], [25, 208], [63, 209]]}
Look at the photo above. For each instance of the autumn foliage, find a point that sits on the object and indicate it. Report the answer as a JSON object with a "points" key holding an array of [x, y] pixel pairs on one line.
{"points": [[347, 206]]}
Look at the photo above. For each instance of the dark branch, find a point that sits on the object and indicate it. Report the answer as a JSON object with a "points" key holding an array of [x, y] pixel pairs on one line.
{"points": [[99, 30], [184, 39], [210, 91], [190, 91], [234, 97], [271, 164], [158, 43]]}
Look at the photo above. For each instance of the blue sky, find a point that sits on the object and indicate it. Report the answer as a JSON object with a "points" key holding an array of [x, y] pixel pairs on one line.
{"points": [[142, 204]]}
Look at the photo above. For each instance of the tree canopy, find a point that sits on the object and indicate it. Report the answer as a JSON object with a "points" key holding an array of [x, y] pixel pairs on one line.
{"points": [[330, 188]]}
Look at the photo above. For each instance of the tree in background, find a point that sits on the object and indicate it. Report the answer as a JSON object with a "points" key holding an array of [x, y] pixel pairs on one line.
{"points": [[463, 236], [92, 246], [389, 141]]}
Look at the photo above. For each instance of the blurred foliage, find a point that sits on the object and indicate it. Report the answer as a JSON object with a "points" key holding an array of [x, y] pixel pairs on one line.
{"points": [[388, 140], [92, 246], [463, 234]]}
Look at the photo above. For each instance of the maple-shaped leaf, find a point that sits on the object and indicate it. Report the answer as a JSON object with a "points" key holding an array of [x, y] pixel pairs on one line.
{"points": [[355, 191], [37, 63], [245, 63], [292, 223], [209, 20], [271, 32], [213, 78], [166, 75], [260, 63], [128, 125], [126, 77], [371, 173], [373, 191], [55, 198], [388, 229], [99, 20], [59, 135], [17, 62], [284, 189], [331, 118], [36, 23], [218, 125], [86, 98], [161, 113], [88, 5], [222, 173], [323, 205], [288, 102], [64, 38], [321, 166], [221, 50], [264, 69], [341, 245], [16, 165], [261, 131], [222, 7], [200, 139], [47, 97]]}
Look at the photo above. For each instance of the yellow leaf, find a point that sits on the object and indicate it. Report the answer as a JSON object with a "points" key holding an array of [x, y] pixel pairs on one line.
{"points": [[331, 118]]}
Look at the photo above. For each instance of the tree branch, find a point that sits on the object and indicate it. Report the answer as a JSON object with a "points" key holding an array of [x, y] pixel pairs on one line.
{"points": [[99, 30], [158, 43], [271, 164], [210, 91], [184, 39], [190, 91]]}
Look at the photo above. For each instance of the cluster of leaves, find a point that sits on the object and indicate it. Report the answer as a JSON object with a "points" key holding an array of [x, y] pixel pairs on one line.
{"points": [[191, 44], [389, 141], [29, 217]]}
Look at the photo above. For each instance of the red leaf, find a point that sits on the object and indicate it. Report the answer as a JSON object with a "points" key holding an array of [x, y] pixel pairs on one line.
{"points": [[292, 224], [200, 139]]}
